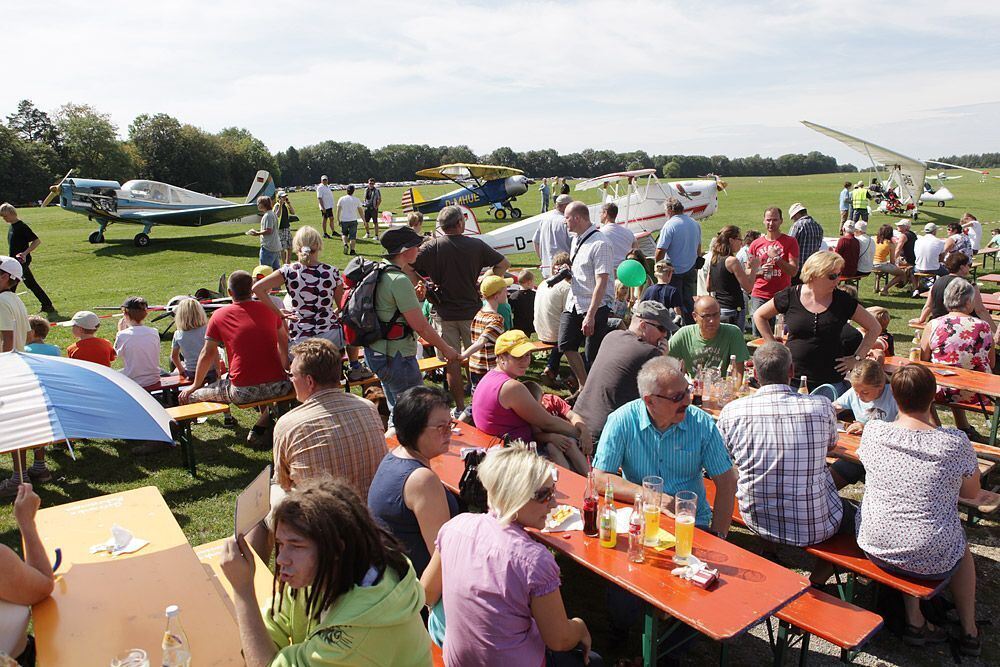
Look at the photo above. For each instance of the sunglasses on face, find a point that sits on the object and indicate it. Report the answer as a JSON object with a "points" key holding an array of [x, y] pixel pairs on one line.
{"points": [[832, 276], [678, 397], [545, 494]]}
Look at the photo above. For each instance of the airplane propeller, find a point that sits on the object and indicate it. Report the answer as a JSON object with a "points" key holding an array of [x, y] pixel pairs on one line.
{"points": [[54, 189], [720, 184]]}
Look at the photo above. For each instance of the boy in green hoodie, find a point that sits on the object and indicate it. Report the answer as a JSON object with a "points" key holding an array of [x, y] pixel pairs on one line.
{"points": [[323, 613]]}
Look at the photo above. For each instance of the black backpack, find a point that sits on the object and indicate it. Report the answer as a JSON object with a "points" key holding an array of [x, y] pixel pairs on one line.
{"points": [[361, 325]]}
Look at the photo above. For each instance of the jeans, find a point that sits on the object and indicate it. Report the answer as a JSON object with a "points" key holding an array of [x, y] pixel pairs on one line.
{"points": [[735, 316], [571, 658], [270, 258], [397, 374], [686, 284], [755, 303]]}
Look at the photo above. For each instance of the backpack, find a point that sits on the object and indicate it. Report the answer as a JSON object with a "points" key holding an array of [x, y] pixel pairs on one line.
{"points": [[361, 325], [470, 489]]}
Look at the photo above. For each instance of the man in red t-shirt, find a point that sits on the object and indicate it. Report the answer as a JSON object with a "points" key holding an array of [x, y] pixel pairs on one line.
{"points": [[849, 248], [779, 259], [256, 346]]}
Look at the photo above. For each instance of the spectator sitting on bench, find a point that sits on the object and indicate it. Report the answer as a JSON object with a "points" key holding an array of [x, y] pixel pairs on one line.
{"points": [[88, 347], [908, 523], [849, 249], [958, 266], [869, 398], [779, 440], [256, 345], [138, 345], [38, 329], [994, 239], [191, 321], [960, 339]]}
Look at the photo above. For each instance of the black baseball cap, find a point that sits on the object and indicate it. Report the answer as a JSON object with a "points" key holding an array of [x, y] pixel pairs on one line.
{"points": [[400, 239]]}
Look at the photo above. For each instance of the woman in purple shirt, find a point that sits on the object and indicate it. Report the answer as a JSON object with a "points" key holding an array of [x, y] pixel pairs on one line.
{"points": [[500, 587]]}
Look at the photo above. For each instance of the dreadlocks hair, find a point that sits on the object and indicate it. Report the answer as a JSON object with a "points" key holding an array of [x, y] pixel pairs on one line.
{"points": [[329, 512]]}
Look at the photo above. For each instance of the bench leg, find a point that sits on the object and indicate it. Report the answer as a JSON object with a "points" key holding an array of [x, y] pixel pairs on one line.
{"points": [[994, 422], [185, 439], [780, 643], [650, 633], [804, 650], [845, 589]]}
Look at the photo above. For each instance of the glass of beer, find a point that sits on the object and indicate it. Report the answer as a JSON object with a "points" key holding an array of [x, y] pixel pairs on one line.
{"points": [[685, 511], [652, 491]]}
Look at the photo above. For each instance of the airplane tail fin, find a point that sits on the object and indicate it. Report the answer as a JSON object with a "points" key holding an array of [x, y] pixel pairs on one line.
{"points": [[411, 199], [262, 186]]}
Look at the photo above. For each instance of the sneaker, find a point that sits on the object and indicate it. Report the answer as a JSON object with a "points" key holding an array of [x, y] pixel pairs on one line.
{"points": [[229, 420], [39, 475], [336, 234], [914, 636], [358, 374], [916, 294], [326, 236], [367, 236], [151, 447], [969, 645], [259, 437], [8, 489], [347, 251]]}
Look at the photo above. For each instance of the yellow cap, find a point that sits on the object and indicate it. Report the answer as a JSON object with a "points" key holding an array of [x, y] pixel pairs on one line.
{"points": [[262, 270], [493, 284], [514, 343]]}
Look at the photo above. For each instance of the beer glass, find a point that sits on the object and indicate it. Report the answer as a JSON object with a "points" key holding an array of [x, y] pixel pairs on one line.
{"points": [[652, 491], [685, 511]]}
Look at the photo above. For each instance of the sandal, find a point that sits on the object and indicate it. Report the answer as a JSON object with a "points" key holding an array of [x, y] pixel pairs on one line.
{"points": [[969, 645], [920, 636]]}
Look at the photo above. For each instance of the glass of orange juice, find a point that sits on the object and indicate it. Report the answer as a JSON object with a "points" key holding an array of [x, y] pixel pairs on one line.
{"points": [[685, 511], [652, 491]]}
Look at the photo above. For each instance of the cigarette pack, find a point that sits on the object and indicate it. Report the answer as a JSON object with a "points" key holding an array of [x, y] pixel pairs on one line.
{"points": [[705, 578]]}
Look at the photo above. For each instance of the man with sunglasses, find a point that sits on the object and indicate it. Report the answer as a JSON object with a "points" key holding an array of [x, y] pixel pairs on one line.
{"points": [[612, 377]]}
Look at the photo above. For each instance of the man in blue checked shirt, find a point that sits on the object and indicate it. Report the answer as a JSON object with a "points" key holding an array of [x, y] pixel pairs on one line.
{"points": [[662, 434]]}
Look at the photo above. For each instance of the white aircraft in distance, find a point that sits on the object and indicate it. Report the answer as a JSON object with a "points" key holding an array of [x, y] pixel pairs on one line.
{"points": [[639, 196], [905, 178]]}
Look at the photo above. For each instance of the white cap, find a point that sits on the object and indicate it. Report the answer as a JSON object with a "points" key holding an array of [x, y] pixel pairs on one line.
{"points": [[86, 320], [903, 223], [848, 226], [930, 228], [11, 266], [324, 178], [281, 193]]}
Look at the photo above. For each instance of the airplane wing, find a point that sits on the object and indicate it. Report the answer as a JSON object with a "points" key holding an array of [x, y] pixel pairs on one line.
{"points": [[185, 217], [598, 181], [909, 177], [981, 172], [462, 170]]}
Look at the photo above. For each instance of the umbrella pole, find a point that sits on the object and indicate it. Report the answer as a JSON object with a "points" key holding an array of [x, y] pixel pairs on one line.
{"points": [[18, 467], [70, 448]]}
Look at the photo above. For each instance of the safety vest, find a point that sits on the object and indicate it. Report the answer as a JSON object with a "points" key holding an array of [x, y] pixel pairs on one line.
{"points": [[859, 198]]}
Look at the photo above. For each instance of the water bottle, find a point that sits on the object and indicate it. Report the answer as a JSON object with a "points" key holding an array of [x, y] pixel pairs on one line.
{"points": [[176, 650], [636, 532]]}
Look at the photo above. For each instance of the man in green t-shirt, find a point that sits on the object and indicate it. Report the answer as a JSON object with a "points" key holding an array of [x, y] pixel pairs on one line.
{"points": [[394, 358], [708, 342]]}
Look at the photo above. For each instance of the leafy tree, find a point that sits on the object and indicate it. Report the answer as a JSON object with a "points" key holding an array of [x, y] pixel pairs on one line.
{"points": [[92, 144], [27, 169], [34, 125], [245, 154], [504, 157], [670, 169], [158, 141]]}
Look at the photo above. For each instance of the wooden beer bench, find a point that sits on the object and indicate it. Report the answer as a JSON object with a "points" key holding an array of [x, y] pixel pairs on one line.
{"points": [[182, 416]]}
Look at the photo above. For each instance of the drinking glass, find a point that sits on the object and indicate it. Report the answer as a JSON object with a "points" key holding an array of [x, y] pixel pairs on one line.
{"points": [[652, 491], [135, 657], [685, 511]]}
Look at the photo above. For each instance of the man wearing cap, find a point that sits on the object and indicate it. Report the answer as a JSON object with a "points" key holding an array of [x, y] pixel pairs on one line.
{"points": [[806, 231], [585, 319], [709, 343], [612, 376], [680, 241], [859, 202], [866, 248], [848, 248], [13, 315], [23, 242], [545, 192], [929, 251], [551, 236], [907, 245], [845, 202], [324, 195], [373, 199], [452, 262], [394, 358]]}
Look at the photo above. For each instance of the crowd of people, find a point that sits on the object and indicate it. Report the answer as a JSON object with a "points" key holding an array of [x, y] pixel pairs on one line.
{"points": [[373, 553]]}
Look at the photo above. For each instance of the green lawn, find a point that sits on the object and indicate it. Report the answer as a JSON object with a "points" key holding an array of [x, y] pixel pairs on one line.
{"points": [[78, 276]]}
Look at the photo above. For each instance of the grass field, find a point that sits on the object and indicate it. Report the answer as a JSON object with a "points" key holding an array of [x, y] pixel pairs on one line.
{"points": [[78, 276]]}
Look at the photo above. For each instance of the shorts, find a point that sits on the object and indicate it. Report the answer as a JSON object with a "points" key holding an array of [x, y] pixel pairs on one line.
{"points": [[327, 213], [371, 215], [457, 333], [270, 258], [859, 214], [571, 332], [890, 268], [223, 391], [349, 228], [285, 236], [335, 336]]}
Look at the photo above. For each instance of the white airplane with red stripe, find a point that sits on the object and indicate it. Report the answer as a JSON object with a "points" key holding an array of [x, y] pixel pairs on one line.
{"points": [[639, 195]]}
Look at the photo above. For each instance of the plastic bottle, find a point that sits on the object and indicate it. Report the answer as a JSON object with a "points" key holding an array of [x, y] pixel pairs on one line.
{"points": [[803, 385], [609, 519], [636, 532], [176, 650]]}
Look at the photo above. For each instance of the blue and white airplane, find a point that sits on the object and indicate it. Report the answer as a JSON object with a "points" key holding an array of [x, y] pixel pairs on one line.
{"points": [[150, 203], [479, 185]]}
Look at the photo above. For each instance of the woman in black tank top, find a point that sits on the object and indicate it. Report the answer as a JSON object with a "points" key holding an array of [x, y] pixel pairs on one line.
{"points": [[728, 278]]}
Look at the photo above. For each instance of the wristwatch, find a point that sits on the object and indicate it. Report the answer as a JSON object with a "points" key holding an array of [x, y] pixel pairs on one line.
{"points": [[857, 357]]}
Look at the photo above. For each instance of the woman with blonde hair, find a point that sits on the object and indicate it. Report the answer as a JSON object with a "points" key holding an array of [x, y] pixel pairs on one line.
{"points": [[815, 312], [191, 321], [500, 587]]}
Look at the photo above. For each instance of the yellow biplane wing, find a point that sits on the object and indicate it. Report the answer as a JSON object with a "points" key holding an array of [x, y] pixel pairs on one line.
{"points": [[462, 170]]}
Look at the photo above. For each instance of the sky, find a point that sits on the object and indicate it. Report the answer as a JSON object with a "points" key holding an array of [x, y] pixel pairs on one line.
{"points": [[921, 77]]}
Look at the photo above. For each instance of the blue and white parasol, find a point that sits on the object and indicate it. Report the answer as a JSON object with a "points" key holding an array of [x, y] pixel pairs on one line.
{"points": [[46, 399]]}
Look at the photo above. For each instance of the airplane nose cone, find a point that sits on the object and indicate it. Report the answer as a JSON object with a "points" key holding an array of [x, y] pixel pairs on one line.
{"points": [[516, 185]]}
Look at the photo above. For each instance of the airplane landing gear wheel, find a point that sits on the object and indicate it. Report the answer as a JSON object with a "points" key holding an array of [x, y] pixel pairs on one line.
{"points": [[940, 204], [500, 214], [515, 213], [96, 237], [141, 240]]}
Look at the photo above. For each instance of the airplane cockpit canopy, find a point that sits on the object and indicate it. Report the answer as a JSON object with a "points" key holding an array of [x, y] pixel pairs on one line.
{"points": [[162, 193]]}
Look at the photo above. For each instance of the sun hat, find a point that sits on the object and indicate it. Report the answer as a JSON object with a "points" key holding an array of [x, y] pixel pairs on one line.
{"points": [[655, 312], [400, 239], [795, 209]]}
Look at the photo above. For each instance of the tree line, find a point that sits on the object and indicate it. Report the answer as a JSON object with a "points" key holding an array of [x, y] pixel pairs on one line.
{"points": [[37, 147], [973, 161]]}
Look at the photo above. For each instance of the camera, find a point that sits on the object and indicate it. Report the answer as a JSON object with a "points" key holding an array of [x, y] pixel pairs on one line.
{"points": [[556, 278]]}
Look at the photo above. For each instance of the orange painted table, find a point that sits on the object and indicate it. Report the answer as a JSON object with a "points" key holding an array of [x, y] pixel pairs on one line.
{"points": [[102, 606], [210, 555], [990, 278], [750, 588]]}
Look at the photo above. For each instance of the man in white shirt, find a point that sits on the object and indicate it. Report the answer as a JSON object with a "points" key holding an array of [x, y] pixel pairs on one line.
{"points": [[929, 251], [585, 319], [975, 230], [13, 315], [324, 195], [866, 248], [552, 235], [550, 302], [349, 211], [620, 237], [137, 345]]}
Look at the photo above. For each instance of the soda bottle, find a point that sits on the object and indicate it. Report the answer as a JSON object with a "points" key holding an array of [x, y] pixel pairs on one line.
{"points": [[636, 532], [609, 519], [176, 651], [590, 507], [779, 327], [803, 385], [697, 385]]}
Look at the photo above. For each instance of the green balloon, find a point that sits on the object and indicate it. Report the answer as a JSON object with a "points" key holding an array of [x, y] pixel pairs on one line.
{"points": [[631, 273]]}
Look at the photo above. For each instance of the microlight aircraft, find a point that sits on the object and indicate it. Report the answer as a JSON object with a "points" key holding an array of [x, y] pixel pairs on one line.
{"points": [[150, 203], [479, 185]]}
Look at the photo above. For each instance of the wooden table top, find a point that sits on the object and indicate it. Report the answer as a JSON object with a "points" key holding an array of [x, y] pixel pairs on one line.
{"points": [[210, 555], [751, 588], [102, 606], [964, 379], [990, 278]]}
